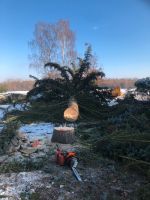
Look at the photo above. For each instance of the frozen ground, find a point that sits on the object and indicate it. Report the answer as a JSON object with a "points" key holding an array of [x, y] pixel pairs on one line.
{"points": [[102, 180], [9, 107], [37, 131], [12, 185]]}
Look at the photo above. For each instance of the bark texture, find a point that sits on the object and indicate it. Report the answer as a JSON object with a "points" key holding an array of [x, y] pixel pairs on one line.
{"points": [[64, 135]]}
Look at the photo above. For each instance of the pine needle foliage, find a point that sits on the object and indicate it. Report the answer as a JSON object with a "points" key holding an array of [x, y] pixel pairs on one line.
{"points": [[78, 82], [143, 85]]}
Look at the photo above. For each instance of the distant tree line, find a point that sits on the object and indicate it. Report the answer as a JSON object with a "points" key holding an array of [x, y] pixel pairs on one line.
{"points": [[17, 84], [114, 82]]}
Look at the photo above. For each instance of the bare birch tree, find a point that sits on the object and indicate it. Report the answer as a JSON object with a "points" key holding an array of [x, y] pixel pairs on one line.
{"points": [[66, 42], [52, 43]]}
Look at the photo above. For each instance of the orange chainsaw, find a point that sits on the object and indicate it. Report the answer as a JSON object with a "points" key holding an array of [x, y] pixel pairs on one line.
{"points": [[68, 158]]}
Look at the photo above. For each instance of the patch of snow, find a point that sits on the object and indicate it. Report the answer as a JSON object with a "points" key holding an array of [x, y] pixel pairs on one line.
{"points": [[132, 90], [5, 106], [35, 97], [3, 110], [14, 92], [123, 91], [20, 107], [113, 103], [2, 113], [10, 107], [38, 131], [142, 97], [12, 185]]}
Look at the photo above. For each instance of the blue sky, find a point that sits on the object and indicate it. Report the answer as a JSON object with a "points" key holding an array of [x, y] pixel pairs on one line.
{"points": [[119, 31]]}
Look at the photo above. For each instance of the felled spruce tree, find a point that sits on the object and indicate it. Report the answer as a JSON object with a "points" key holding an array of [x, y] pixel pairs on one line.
{"points": [[78, 83]]}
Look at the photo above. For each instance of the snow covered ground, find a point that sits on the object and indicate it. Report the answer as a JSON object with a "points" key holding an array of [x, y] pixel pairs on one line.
{"points": [[14, 92], [113, 102], [2, 113], [138, 96], [38, 131], [9, 107], [11, 185]]}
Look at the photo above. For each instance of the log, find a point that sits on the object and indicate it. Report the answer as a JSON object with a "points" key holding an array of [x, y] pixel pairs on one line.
{"points": [[71, 114], [64, 135]]}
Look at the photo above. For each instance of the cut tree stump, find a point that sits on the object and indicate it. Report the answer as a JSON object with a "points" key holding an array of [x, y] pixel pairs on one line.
{"points": [[64, 135]]}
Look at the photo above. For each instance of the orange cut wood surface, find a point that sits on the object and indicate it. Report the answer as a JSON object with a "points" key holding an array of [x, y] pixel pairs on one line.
{"points": [[72, 112]]}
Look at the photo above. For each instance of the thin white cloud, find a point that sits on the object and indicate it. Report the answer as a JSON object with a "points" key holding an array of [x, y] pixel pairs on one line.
{"points": [[95, 28]]}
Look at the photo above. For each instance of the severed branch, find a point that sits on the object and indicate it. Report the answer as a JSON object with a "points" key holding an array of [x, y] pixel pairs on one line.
{"points": [[35, 78]]}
